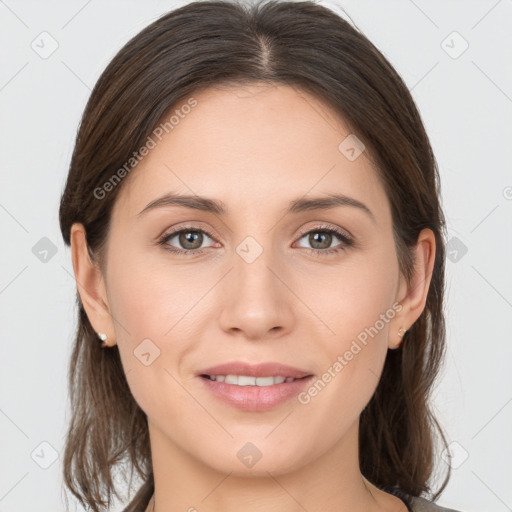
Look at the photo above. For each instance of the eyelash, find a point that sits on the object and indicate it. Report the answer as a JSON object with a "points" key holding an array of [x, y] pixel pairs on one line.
{"points": [[346, 240]]}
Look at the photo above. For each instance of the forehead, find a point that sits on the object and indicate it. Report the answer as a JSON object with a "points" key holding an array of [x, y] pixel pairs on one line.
{"points": [[254, 148]]}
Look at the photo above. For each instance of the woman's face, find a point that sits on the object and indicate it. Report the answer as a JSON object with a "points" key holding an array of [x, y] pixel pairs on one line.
{"points": [[269, 285]]}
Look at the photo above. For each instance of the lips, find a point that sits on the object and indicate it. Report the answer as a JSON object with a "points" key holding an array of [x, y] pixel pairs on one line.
{"points": [[266, 369], [255, 398]]}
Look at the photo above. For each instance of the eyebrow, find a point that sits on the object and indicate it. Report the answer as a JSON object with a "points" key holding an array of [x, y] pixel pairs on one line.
{"points": [[219, 208]]}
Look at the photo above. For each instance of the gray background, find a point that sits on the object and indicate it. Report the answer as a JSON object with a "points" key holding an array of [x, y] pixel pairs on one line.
{"points": [[465, 98]]}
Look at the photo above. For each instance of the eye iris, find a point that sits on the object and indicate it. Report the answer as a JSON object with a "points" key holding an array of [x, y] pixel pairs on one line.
{"points": [[314, 236], [187, 237]]}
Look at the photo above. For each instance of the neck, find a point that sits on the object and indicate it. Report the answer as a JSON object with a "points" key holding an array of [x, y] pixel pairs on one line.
{"points": [[330, 482]]}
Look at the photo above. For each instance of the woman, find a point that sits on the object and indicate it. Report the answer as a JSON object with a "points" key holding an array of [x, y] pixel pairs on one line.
{"points": [[257, 239]]}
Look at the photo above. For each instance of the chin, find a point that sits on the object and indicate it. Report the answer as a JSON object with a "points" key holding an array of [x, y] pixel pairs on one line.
{"points": [[250, 461]]}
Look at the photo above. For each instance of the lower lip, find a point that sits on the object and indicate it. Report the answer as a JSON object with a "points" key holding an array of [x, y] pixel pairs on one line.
{"points": [[256, 398]]}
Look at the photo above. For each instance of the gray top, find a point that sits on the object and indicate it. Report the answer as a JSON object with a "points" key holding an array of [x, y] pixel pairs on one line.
{"points": [[423, 505]]}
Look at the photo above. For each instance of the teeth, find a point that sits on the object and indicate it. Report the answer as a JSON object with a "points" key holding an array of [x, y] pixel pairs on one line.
{"points": [[245, 380]]}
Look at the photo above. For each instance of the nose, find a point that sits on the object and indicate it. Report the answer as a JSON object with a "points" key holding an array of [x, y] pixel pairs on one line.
{"points": [[255, 300]]}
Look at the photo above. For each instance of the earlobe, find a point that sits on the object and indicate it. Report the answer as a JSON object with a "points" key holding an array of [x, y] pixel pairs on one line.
{"points": [[90, 283], [415, 296]]}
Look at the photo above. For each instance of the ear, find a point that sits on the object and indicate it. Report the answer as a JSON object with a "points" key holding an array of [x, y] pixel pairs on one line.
{"points": [[90, 285], [415, 294]]}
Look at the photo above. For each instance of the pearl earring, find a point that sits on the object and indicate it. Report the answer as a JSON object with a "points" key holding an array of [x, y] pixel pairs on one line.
{"points": [[401, 334], [103, 337]]}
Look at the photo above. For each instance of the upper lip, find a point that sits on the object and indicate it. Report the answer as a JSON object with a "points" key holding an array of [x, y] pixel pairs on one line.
{"points": [[268, 369]]}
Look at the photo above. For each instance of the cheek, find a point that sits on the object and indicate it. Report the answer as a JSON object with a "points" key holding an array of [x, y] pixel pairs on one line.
{"points": [[149, 293], [356, 298], [357, 304], [149, 305], [155, 310]]}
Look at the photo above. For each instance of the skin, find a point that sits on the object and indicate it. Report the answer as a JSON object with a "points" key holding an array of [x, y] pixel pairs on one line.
{"points": [[255, 148]]}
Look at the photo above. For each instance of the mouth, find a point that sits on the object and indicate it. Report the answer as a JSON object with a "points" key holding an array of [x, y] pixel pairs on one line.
{"points": [[254, 394]]}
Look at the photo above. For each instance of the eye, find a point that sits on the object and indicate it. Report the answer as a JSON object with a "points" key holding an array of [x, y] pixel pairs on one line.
{"points": [[190, 239], [322, 237]]}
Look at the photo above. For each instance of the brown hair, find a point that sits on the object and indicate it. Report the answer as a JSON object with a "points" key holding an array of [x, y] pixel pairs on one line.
{"points": [[303, 45]]}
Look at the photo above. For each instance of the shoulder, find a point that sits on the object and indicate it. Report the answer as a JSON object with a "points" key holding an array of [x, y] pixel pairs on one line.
{"points": [[423, 505]]}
